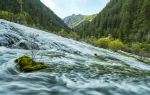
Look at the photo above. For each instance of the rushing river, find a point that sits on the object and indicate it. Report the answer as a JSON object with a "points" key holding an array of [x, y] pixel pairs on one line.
{"points": [[76, 68]]}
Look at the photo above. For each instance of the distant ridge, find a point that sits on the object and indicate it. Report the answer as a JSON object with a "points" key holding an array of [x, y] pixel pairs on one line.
{"points": [[74, 20]]}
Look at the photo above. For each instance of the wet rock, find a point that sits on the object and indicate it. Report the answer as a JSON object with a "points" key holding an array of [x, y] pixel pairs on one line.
{"points": [[99, 57], [27, 64], [23, 45], [8, 39]]}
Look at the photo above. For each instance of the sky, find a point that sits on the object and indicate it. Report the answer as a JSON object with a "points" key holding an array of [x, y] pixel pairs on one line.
{"points": [[64, 8]]}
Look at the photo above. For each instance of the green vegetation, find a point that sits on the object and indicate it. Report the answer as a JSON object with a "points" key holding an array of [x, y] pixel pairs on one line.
{"points": [[103, 42], [7, 15], [70, 34], [110, 43], [31, 13], [27, 64], [140, 49], [121, 25], [141, 58], [116, 45], [144, 60], [123, 71], [94, 70], [92, 40], [90, 17], [74, 20], [23, 18], [127, 20]]}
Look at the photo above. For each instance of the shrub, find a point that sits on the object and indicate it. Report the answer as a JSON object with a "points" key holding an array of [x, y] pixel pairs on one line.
{"points": [[103, 42], [136, 47], [91, 40], [73, 35], [145, 50], [7, 15], [141, 49], [116, 45]]}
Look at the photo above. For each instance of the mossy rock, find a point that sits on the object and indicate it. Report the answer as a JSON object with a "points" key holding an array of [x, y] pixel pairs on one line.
{"points": [[27, 64]]}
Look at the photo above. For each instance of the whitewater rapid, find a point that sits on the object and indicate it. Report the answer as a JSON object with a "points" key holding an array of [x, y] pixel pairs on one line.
{"points": [[67, 52]]}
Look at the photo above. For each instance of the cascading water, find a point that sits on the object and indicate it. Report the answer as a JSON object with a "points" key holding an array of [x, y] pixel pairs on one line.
{"points": [[75, 70]]}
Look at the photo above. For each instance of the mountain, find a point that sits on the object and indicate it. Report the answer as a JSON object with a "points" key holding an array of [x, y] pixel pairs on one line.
{"points": [[74, 20], [32, 13], [74, 68], [128, 20]]}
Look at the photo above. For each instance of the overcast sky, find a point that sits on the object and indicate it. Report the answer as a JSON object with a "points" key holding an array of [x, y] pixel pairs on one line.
{"points": [[65, 8]]}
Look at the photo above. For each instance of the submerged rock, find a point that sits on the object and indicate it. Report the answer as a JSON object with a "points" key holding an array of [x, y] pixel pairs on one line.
{"points": [[27, 64], [23, 45]]}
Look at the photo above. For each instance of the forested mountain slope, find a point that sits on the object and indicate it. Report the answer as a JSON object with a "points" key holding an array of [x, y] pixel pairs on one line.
{"points": [[74, 20], [31, 12], [128, 20]]}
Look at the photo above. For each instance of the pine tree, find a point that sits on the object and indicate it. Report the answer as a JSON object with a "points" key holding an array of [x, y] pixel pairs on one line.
{"points": [[21, 4]]}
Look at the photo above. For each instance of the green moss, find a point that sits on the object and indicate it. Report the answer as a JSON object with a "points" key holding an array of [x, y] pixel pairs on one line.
{"points": [[143, 60], [27, 64], [136, 57], [122, 71], [96, 70]]}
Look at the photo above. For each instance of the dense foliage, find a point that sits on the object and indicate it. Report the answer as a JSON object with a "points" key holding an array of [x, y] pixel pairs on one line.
{"points": [[109, 42], [32, 13], [128, 20]]}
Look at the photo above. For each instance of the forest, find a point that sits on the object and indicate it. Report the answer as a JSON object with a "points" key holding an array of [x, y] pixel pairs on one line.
{"points": [[105, 53], [125, 20]]}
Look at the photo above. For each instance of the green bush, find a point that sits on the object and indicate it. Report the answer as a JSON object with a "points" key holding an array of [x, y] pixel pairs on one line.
{"points": [[91, 40], [116, 45], [62, 33], [136, 47], [141, 49], [103, 42], [7, 15], [73, 35]]}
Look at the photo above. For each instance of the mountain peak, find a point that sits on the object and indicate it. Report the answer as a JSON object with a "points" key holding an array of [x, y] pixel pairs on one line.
{"points": [[74, 20]]}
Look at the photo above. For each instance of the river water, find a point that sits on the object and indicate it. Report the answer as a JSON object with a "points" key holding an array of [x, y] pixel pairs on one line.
{"points": [[72, 71]]}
